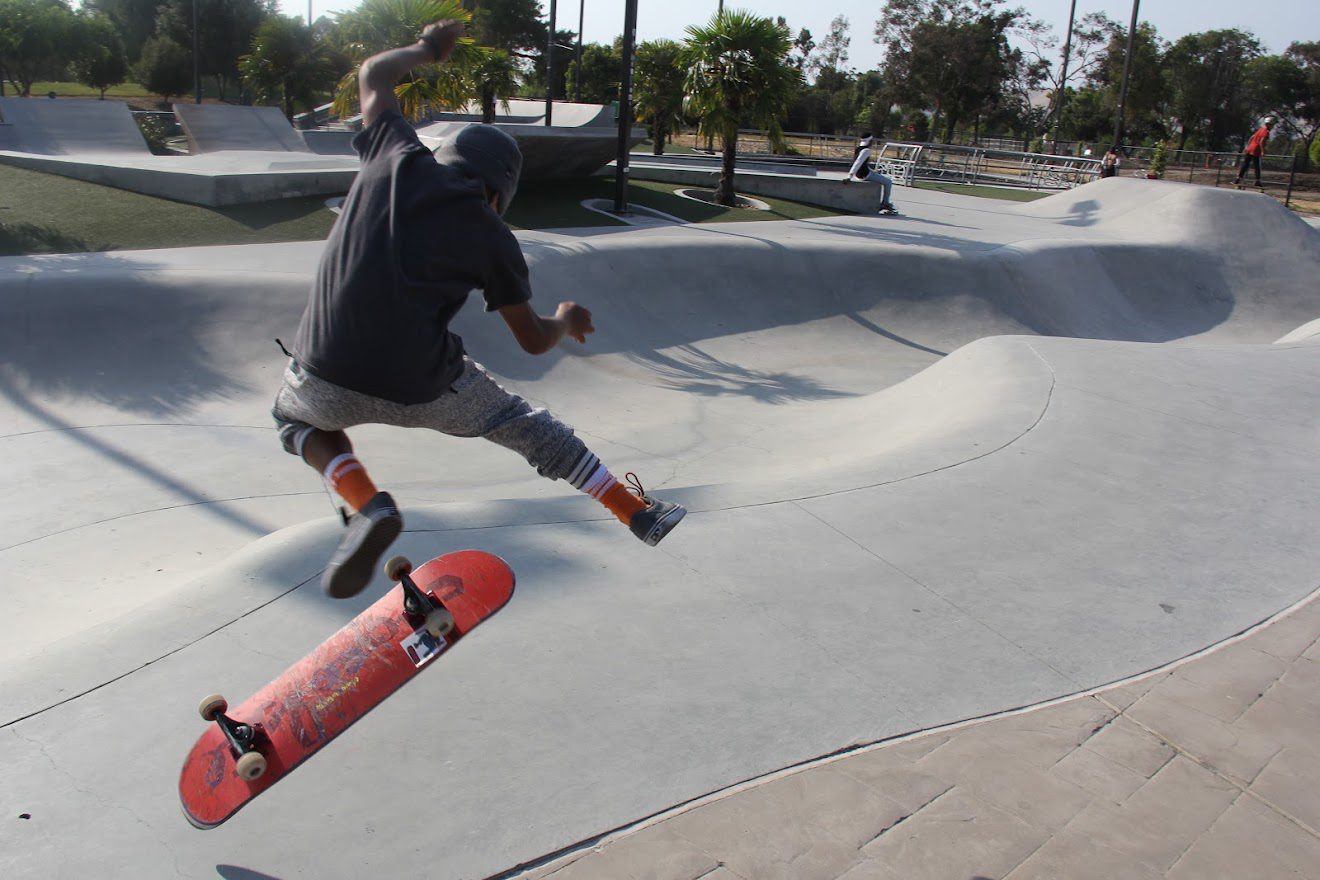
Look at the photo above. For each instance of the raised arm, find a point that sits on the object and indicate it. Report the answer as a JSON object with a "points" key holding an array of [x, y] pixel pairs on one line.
{"points": [[381, 72]]}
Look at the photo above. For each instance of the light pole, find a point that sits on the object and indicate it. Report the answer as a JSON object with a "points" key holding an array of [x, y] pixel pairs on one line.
{"points": [[1127, 68], [197, 67], [625, 109], [1063, 78], [550, 67], [577, 71]]}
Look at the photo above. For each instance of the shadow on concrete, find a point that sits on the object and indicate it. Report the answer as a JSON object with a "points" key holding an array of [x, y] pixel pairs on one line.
{"points": [[694, 371], [185, 494], [233, 872]]}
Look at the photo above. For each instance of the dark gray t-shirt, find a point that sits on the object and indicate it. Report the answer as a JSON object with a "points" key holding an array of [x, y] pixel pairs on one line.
{"points": [[413, 239]]}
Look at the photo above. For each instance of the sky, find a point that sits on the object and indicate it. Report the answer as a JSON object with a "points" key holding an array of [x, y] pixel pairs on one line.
{"points": [[1276, 23]]}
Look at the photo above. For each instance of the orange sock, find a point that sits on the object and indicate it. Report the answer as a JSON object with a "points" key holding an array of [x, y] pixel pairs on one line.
{"points": [[349, 479], [621, 502]]}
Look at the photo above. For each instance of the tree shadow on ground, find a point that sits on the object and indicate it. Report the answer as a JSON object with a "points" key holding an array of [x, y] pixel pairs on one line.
{"points": [[30, 238]]}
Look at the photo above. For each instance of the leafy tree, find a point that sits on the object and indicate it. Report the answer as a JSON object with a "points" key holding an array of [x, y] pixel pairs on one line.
{"points": [[288, 65], [378, 25], [99, 59], [134, 19], [1305, 110], [34, 40], [1086, 52], [658, 88], [512, 25], [225, 30], [1144, 110], [833, 49], [600, 70], [494, 78], [949, 55], [737, 72], [164, 67], [1204, 76], [803, 45]]}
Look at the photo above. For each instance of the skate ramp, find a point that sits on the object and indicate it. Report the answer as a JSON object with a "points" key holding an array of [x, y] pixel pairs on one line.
{"points": [[937, 467], [215, 128], [68, 127]]}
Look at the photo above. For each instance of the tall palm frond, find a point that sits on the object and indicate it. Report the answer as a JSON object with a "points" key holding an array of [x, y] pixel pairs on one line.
{"points": [[378, 25], [738, 73]]}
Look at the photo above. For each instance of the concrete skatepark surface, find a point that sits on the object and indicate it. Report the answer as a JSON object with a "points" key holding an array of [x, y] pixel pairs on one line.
{"points": [[966, 460]]}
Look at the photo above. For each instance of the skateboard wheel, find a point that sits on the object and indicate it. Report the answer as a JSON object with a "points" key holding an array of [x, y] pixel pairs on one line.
{"points": [[439, 622], [397, 567], [250, 765], [211, 707]]}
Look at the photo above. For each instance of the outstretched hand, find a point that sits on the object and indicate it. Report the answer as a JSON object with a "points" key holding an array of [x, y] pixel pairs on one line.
{"points": [[576, 320]]}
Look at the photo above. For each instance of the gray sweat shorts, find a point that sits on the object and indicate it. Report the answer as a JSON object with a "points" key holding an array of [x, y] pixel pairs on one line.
{"points": [[475, 406]]}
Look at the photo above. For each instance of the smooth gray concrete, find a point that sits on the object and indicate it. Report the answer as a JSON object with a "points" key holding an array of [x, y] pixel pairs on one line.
{"points": [[1207, 769], [216, 128], [65, 126], [243, 155], [942, 465]]}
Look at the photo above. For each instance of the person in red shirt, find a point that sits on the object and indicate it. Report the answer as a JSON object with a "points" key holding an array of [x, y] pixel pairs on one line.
{"points": [[1254, 150]]}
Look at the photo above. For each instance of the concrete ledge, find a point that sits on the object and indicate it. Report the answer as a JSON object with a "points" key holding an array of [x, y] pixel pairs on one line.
{"points": [[827, 192], [214, 180]]}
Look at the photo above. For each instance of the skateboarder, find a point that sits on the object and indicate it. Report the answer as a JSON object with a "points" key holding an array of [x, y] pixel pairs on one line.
{"points": [[862, 170], [1254, 149], [416, 233]]}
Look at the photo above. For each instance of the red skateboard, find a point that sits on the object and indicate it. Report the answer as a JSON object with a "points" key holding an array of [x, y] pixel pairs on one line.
{"points": [[246, 751]]}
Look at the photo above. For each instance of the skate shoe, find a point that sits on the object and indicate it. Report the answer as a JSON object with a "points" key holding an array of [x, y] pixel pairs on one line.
{"points": [[657, 519], [368, 534]]}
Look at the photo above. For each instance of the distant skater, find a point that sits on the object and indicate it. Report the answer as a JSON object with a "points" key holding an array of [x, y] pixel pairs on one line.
{"points": [[1254, 149], [416, 234], [862, 170], [1109, 162]]}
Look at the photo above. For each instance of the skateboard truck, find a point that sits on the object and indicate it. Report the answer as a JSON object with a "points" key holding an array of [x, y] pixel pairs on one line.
{"points": [[249, 763], [416, 604]]}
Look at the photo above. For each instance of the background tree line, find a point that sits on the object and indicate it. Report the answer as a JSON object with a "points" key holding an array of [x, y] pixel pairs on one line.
{"points": [[953, 70]]}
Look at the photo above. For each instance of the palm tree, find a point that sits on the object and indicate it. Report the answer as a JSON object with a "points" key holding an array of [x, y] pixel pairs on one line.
{"points": [[658, 93], [738, 72], [494, 76], [287, 64], [378, 25]]}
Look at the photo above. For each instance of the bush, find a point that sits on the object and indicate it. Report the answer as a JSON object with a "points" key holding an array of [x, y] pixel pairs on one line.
{"points": [[1160, 160], [155, 130]]}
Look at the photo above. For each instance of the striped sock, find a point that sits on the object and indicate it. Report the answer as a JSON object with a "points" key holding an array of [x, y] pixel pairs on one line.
{"points": [[346, 475], [593, 478]]}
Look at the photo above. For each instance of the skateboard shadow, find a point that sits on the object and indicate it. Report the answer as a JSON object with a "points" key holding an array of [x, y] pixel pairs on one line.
{"points": [[233, 872]]}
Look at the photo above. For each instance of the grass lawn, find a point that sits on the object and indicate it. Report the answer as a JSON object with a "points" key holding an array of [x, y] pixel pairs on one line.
{"points": [[46, 213]]}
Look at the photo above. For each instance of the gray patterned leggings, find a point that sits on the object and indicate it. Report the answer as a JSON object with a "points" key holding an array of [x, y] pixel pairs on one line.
{"points": [[476, 407]]}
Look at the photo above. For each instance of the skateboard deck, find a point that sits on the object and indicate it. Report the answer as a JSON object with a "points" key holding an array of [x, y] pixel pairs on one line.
{"points": [[248, 749]]}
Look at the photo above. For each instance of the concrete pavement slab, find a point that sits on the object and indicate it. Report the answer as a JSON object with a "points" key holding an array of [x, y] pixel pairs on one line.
{"points": [[908, 508]]}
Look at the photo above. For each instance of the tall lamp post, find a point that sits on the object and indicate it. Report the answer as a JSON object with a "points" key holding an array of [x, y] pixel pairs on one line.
{"points": [[197, 67], [550, 66], [625, 109], [1127, 69], [1063, 78], [577, 71]]}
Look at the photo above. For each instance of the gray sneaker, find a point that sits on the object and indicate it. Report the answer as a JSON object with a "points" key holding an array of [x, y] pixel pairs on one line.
{"points": [[657, 519], [368, 535]]}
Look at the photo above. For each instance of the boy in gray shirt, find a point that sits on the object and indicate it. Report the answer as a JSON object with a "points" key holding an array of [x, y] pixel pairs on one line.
{"points": [[416, 234]]}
